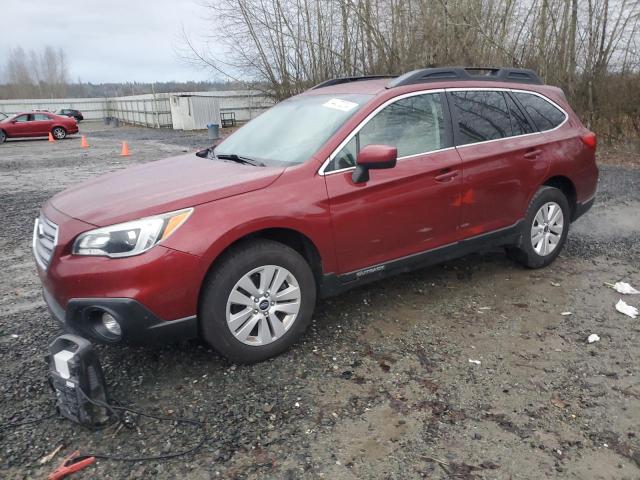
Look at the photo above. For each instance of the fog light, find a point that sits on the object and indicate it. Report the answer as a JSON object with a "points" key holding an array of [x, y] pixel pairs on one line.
{"points": [[111, 324]]}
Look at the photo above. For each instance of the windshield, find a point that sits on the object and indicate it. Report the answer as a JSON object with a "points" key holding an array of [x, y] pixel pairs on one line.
{"points": [[292, 131]]}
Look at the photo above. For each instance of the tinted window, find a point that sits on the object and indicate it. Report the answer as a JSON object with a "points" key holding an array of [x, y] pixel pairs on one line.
{"points": [[22, 118], [41, 116], [481, 116], [520, 125], [413, 125], [543, 114]]}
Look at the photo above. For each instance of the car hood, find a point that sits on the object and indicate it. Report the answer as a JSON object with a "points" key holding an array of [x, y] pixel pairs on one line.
{"points": [[159, 187]]}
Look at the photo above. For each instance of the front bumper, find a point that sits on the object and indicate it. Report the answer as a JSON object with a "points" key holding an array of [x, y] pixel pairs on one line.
{"points": [[138, 324], [153, 296]]}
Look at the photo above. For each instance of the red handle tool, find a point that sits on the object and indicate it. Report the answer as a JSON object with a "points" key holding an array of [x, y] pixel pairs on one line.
{"points": [[73, 463]]}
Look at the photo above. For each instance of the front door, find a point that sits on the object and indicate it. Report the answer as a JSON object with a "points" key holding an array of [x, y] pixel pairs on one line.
{"points": [[404, 210], [22, 126]]}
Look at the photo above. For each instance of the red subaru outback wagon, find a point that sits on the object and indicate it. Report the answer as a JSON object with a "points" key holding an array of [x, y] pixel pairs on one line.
{"points": [[351, 181]]}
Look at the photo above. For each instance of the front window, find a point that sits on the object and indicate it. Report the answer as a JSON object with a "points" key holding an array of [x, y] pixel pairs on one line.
{"points": [[413, 125], [292, 131]]}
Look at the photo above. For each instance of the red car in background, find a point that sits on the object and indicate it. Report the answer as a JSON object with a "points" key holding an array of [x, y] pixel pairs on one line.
{"points": [[37, 124]]}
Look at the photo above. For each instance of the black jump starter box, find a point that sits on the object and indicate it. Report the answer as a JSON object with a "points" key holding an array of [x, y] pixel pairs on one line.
{"points": [[77, 379]]}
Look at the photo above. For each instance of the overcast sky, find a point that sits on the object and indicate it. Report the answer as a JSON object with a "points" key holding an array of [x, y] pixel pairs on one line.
{"points": [[107, 40]]}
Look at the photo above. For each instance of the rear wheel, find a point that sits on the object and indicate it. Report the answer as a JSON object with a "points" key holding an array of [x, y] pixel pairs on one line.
{"points": [[257, 302], [544, 231], [3, 136], [59, 133]]}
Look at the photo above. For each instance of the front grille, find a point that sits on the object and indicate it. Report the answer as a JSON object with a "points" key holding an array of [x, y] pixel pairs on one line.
{"points": [[45, 238]]}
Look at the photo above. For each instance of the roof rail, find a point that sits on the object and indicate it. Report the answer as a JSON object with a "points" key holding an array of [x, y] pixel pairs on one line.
{"points": [[338, 81], [425, 75]]}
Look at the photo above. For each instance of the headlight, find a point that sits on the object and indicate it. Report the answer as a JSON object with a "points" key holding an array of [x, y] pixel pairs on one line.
{"points": [[130, 238]]}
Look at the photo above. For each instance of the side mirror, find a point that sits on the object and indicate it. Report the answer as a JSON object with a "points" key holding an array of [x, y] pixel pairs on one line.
{"points": [[206, 153], [373, 157], [203, 153]]}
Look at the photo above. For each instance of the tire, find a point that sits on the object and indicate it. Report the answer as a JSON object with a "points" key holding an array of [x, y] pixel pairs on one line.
{"points": [[549, 236], [59, 133], [262, 325], [3, 136]]}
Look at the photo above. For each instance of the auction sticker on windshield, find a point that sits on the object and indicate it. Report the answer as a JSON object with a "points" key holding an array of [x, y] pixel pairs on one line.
{"points": [[339, 104]]}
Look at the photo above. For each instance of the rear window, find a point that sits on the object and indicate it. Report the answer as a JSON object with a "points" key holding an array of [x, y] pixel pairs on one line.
{"points": [[545, 115], [481, 116], [40, 117]]}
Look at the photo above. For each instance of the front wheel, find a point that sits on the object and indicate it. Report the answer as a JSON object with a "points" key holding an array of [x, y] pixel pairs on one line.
{"points": [[59, 133], [3, 136], [257, 302], [545, 229]]}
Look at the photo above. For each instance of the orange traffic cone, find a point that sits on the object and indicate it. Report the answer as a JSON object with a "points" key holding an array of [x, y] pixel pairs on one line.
{"points": [[125, 150], [51, 139], [83, 143]]}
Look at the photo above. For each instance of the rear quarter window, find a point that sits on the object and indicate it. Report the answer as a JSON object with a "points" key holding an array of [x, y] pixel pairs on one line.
{"points": [[545, 115]]}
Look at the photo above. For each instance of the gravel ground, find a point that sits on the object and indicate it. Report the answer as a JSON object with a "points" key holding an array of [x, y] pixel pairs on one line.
{"points": [[380, 387]]}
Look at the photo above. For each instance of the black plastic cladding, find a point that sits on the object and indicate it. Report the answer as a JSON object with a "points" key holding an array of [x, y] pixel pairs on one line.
{"points": [[426, 75]]}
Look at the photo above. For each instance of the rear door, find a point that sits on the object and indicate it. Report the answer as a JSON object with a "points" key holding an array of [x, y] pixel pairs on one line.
{"points": [[404, 210], [42, 124], [503, 158]]}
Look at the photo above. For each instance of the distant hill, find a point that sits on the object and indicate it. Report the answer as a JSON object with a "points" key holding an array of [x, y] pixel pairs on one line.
{"points": [[88, 90]]}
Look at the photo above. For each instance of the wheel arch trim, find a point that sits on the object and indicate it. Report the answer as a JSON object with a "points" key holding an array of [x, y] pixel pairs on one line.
{"points": [[288, 235], [567, 187]]}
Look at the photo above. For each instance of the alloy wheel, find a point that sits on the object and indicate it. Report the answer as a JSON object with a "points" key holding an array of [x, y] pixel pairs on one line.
{"points": [[263, 305], [547, 228], [59, 133]]}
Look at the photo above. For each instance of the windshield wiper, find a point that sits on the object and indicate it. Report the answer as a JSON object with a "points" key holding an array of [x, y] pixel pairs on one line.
{"points": [[237, 158]]}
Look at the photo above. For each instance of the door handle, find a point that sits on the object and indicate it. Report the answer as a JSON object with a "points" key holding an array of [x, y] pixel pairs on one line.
{"points": [[532, 153], [447, 176]]}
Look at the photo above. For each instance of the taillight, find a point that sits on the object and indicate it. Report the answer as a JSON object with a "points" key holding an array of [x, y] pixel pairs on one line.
{"points": [[590, 140]]}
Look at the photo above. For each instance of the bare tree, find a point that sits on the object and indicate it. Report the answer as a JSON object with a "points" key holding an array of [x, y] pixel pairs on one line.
{"points": [[36, 75], [285, 46]]}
